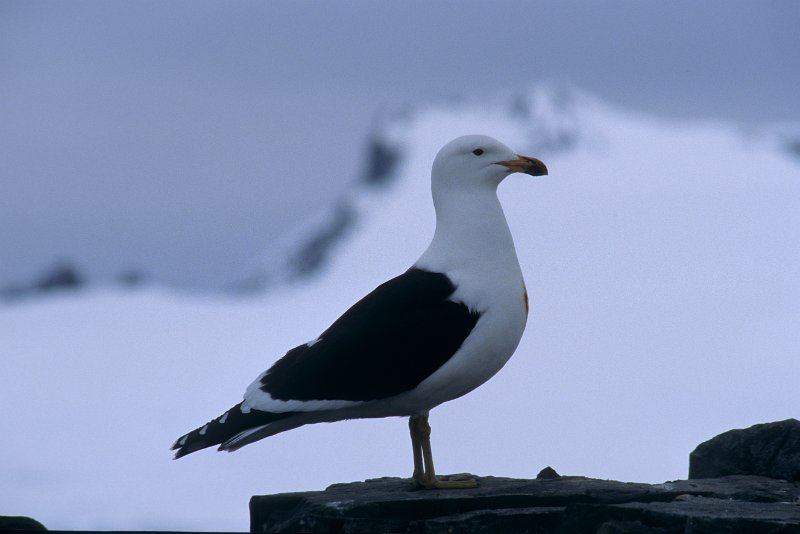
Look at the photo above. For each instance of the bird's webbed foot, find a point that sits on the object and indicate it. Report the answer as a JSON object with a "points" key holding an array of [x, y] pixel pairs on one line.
{"points": [[447, 482], [424, 473]]}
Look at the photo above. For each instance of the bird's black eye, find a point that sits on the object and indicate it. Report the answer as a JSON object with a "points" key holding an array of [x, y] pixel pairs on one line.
{"points": [[478, 151]]}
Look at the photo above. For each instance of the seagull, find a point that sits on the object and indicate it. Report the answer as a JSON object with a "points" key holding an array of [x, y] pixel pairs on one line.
{"points": [[430, 335]]}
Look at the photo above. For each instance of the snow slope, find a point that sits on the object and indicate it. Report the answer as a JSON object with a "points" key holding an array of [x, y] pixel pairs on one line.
{"points": [[662, 263]]}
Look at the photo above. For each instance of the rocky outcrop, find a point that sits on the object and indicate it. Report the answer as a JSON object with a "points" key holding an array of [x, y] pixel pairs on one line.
{"points": [[552, 504], [769, 449], [61, 277], [18, 522]]}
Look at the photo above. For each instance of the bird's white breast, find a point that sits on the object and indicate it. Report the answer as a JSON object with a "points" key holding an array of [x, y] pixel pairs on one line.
{"points": [[490, 344]]}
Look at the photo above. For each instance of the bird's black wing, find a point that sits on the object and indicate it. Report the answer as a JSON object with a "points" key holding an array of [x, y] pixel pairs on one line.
{"points": [[385, 344]]}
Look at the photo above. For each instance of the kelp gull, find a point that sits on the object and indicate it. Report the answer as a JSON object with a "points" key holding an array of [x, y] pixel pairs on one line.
{"points": [[430, 335]]}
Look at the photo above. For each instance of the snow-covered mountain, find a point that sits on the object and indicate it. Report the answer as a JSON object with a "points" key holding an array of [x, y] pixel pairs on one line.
{"points": [[548, 119], [663, 264]]}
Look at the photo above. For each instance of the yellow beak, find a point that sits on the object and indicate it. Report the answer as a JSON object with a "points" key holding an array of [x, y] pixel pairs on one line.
{"points": [[531, 166]]}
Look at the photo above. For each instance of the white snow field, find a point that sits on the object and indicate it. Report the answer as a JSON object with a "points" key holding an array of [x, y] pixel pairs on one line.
{"points": [[663, 265]]}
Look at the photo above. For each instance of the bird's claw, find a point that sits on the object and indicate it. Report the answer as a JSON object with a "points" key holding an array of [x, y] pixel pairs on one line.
{"points": [[450, 482]]}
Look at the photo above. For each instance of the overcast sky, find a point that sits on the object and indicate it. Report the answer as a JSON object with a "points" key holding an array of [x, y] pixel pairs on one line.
{"points": [[183, 138]]}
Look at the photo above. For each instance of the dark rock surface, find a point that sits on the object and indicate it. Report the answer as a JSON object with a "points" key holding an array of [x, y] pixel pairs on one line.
{"points": [[61, 277], [547, 473], [560, 505], [18, 522], [382, 160], [769, 449]]}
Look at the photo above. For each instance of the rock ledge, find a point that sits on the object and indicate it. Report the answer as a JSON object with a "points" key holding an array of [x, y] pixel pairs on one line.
{"points": [[560, 505]]}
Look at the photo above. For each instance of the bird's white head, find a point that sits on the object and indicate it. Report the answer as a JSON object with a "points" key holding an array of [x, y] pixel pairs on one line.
{"points": [[479, 161]]}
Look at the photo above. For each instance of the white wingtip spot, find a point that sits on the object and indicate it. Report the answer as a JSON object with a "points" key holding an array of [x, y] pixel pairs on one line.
{"points": [[203, 430], [313, 342], [223, 418], [182, 441]]}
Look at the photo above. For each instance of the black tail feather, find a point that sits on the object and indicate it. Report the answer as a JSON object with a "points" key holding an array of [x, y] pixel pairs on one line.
{"points": [[223, 428]]}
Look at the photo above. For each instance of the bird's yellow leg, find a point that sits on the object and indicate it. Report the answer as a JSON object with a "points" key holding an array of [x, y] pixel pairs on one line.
{"points": [[419, 470], [429, 480]]}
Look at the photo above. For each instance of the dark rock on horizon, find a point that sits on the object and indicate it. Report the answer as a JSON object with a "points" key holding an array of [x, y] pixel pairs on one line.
{"points": [[562, 505], [547, 473], [769, 449], [18, 522], [131, 278], [61, 276]]}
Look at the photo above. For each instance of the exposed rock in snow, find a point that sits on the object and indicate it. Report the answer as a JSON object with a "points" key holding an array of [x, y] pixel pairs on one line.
{"points": [[769, 449]]}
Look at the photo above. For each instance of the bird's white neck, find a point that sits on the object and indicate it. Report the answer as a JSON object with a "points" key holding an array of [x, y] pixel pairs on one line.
{"points": [[471, 235]]}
